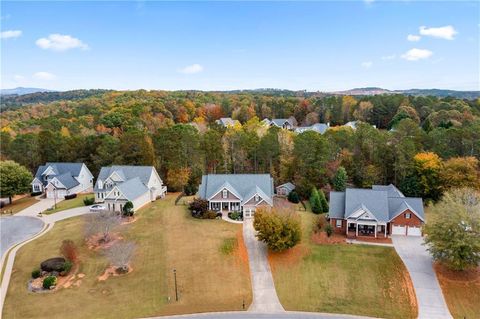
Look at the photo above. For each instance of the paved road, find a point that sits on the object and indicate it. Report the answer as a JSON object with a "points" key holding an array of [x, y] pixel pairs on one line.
{"points": [[265, 299], [431, 303], [251, 315], [15, 229]]}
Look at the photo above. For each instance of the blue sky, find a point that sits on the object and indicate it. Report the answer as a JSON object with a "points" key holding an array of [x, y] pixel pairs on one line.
{"points": [[321, 46]]}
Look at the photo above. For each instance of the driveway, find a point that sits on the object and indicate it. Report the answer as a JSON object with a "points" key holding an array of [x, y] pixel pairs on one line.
{"points": [[15, 229], [431, 303], [251, 315], [265, 299], [42, 205]]}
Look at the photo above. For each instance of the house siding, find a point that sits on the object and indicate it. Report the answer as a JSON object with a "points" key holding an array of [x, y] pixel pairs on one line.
{"points": [[338, 230], [400, 220], [230, 196]]}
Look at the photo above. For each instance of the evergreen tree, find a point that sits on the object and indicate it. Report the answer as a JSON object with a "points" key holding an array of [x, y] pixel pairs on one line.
{"points": [[340, 180], [293, 197], [315, 202], [323, 201]]}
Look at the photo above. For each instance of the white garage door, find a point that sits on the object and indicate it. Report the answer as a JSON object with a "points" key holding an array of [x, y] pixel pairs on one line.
{"points": [[414, 231], [398, 230], [60, 194]]}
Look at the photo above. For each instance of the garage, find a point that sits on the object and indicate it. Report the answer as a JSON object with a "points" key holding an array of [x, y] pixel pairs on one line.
{"points": [[247, 213], [399, 230], [414, 231], [60, 193]]}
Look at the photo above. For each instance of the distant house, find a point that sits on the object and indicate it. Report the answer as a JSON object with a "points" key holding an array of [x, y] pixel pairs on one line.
{"points": [[354, 124], [117, 185], [377, 212], [237, 192], [227, 121], [60, 179], [285, 189], [287, 124], [317, 127]]}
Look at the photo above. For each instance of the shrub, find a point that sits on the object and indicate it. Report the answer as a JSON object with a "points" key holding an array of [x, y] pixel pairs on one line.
{"points": [[69, 250], [235, 215], [315, 202], [329, 230], [128, 209], [198, 207], [293, 197], [87, 201], [36, 273], [323, 201], [53, 264], [49, 282], [210, 214], [321, 223], [67, 266], [278, 231], [35, 194], [190, 189], [71, 196]]}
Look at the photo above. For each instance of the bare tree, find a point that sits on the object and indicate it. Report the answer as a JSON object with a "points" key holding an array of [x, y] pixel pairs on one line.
{"points": [[120, 255], [101, 223]]}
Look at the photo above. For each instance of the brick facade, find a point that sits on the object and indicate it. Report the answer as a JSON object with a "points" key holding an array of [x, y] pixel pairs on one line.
{"points": [[401, 220]]}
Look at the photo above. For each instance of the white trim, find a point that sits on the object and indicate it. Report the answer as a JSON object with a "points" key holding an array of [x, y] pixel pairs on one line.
{"points": [[230, 188], [411, 209]]}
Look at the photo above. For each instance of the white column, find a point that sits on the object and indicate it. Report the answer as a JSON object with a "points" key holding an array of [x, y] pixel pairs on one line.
{"points": [[375, 231], [356, 229], [385, 228], [346, 230]]}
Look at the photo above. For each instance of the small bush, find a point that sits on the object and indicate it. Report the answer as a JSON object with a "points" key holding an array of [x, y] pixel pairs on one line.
{"points": [[280, 231], [293, 197], [321, 223], [87, 201], [71, 196], [190, 189], [210, 214], [49, 282], [127, 210], [329, 230], [235, 215], [35, 194], [67, 266], [36, 273], [198, 207]]}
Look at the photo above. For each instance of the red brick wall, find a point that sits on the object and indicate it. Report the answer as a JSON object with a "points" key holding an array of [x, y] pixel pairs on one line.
{"points": [[340, 230], [400, 220]]}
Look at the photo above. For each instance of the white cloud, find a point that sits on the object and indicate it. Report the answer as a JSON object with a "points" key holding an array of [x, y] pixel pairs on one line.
{"points": [[388, 57], [18, 78], [367, 65], [191, 69], [44, 76], [369, 1], [60, 42], [413, 38], [9, 34], [417, 54], [447, 32]]}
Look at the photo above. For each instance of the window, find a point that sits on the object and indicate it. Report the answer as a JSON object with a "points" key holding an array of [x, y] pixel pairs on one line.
{"points": [[256, 198], [224, 193], [408, 215], [338, 223], [36, 187]]}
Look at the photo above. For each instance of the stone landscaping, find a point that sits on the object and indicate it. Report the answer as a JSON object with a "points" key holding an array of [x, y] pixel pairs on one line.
{"points": [[51, 274]]}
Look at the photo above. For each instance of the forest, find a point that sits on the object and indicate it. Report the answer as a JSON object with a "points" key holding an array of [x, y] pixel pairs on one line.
{"points": [[423, 144]]}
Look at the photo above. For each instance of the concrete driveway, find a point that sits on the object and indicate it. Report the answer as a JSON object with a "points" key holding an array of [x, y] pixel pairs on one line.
{"points": [[431, 303], [15, 229], [265, 299], [251, 315], [42, 205]]}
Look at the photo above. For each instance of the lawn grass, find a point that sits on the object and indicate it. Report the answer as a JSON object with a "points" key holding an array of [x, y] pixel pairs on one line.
{"points": [[167, 238], [343, 278], [69, 203], [19, 205], [461, 291]]}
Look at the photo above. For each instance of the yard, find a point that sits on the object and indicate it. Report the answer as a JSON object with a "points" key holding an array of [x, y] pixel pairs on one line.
{"points": [[210, 277], [19, 204], [343, 278], [69, 203]]}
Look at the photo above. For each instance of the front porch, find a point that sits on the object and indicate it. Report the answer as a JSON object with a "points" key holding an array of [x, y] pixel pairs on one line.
{"points": [[366, 229], [225, 206]]}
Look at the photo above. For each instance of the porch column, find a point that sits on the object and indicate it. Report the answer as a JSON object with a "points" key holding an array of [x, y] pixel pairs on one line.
{"points": [[356, 229], [385, 227], [346, 230], [209, 205], [375, 230]]}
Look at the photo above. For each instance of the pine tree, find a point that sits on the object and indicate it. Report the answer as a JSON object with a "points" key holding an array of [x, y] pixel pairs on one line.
{"points": [[340, 180], [315, 202], [323, 201]]}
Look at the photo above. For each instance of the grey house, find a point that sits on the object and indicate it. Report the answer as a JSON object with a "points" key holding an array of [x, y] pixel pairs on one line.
{"points": [[60, 179], [227, 121], [317, 127], [285, 189], [117, 185], [237, 192], [287, 124]]}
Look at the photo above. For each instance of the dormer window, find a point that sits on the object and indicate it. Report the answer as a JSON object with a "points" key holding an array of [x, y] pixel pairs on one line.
{"points": [[224, 193], [257, 198], [100, 184], [408, 215]]}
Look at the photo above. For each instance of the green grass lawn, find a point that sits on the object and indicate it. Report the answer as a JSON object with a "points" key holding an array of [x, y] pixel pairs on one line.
{"points": [[69, 203], [19, 205], [166, 238], [350, 279]]}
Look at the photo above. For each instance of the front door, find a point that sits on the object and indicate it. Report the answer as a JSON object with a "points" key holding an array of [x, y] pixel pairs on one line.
{"points": [[225, 207]]}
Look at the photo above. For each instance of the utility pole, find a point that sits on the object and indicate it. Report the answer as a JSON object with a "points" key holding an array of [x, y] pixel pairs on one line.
{"points": [[175, 280]]}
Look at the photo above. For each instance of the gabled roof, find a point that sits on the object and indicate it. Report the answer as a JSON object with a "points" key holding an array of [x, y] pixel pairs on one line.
{"points": [[317, 127], [227, 121], [67, 180], [60, 168], [126, 172], [352, 124], [391, 189], [280, 122], [398, 205], [336, 207], [259, 192], [289, 186], [375, 201], [243, 184], [132, 189]]}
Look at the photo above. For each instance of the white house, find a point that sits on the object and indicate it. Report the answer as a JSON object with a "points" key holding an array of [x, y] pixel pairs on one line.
{"points": [[60, 179], [285, 189], [117, 185], [317, 127], [237, 192]]}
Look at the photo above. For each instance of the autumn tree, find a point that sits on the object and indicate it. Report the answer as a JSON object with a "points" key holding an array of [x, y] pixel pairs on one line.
{"points": [[461, 172], [454, 234], [120, 255], [103, 223], [279, 230], [177, 178], [14, 179], [428, 166]]}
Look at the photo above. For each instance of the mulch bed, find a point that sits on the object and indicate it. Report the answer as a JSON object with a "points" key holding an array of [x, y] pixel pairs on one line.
{"points": [[467, 276], [322, 238]]}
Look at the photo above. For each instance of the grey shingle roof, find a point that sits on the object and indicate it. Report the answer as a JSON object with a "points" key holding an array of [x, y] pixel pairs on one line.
{"points": [[126, 172], [280, 122], [67, 180], [375, 201], [226, 121], [336, 208], [318, 127], [60, 168], [391, 189], [288, 186], [399, 204], [133, 188], [243, 184]]}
